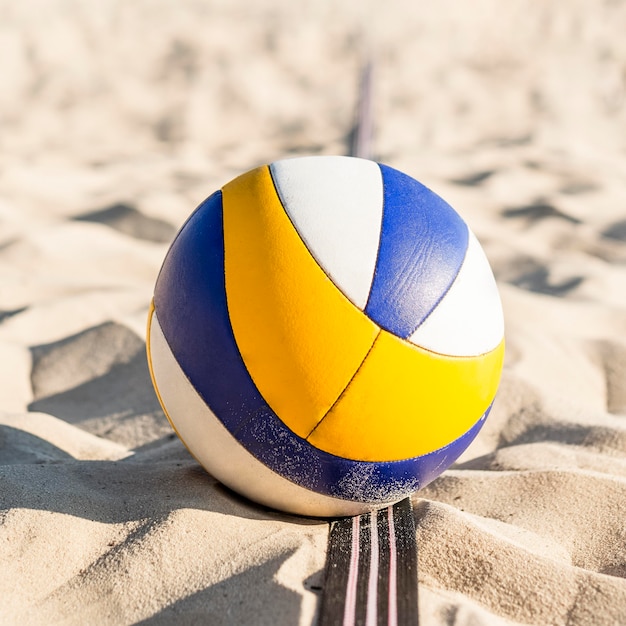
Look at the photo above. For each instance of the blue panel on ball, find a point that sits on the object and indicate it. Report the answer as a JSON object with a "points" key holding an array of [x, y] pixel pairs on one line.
{"points": [[190, 302], [422, 246], [361, 481]]}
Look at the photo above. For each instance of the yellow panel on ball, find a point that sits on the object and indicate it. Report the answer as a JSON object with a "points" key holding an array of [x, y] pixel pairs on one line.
{"points": [[287, 316], [406, 401]]}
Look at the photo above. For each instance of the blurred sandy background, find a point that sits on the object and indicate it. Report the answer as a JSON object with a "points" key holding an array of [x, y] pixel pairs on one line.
{"points": [[118, 118]]}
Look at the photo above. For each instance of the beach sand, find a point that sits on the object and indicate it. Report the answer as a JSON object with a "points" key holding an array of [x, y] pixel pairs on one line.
{"points": [[117, 119]]}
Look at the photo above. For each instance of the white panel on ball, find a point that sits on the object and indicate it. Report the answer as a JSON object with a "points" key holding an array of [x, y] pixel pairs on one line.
{"points": [[336, 205]]}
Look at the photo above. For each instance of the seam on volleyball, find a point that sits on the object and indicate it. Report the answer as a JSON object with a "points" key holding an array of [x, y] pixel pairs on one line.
{"points": [[343, 391], [246, 420], [445, 293], [458, 357], [380, 238], [151, 316]]}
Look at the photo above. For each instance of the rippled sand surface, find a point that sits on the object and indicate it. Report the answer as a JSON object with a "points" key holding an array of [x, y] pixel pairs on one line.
{"points": [[118, 118]]}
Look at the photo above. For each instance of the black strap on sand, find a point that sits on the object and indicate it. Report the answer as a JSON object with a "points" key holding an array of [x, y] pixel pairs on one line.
{"points": [[362, 135], [371, 570]]}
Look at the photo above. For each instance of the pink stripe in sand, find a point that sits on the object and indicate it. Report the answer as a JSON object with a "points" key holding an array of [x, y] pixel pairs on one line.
{"points": [[371, 615], [349, 611]]}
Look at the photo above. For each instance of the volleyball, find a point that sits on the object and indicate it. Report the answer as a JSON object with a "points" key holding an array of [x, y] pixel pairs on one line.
{"points": [[326, 335]]}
